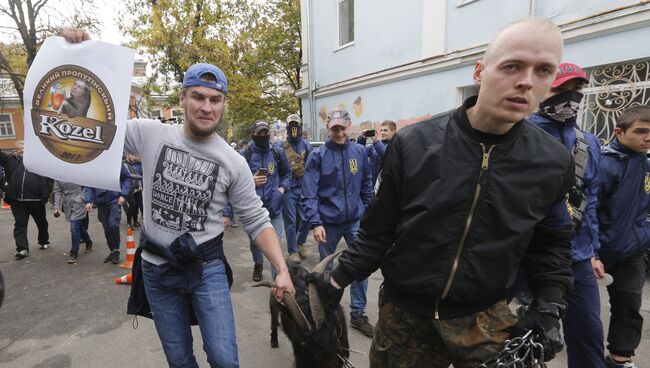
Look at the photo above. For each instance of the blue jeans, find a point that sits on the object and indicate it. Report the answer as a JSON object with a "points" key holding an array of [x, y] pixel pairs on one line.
{"points": [[258, 256], [333, 234], [171, 308], [583, 329], [109, 215], [294, 219], [78, 233]]}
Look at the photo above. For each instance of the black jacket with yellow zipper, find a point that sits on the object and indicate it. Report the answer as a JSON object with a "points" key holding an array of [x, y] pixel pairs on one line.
{"points": [[455, 218]]}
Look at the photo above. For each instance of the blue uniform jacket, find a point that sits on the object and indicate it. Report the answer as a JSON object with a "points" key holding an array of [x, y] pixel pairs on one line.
{"points": [[376, 152], [337, 184], [103, 196], [279, 175], [303, 149], [624, 202], [585, 243]]}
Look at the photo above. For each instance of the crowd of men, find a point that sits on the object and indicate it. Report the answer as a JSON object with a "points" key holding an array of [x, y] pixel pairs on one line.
{"points": [[469, 208], [28, 193]]}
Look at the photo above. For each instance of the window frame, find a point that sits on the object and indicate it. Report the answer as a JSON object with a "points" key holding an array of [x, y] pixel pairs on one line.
{"points": [[10, 123], [339, 45]]}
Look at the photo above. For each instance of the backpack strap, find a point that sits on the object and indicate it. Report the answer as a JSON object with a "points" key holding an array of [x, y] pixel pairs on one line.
{"points": [[276, 155], [577, 196], [580, 157], [248, 155]]}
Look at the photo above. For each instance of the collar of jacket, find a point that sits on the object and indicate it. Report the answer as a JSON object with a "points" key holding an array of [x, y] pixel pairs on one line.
{"points": [[334, 146], [623, 152], [463, 124]]}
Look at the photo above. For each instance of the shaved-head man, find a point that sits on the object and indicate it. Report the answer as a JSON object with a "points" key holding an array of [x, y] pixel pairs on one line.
{"points": [[465, 200]]}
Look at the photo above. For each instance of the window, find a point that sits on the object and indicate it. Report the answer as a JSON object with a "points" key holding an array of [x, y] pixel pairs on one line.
{"points": [[6, 126], [346, 21], [464, 93], [178, 114], [155, 113], [612, 89]]}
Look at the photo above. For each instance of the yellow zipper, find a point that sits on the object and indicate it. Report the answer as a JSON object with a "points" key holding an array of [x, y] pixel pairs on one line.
{"points": [[468, 224]]}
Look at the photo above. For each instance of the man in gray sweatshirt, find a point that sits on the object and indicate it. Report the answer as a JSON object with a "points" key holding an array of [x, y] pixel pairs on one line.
{"points": [[189, 176]]}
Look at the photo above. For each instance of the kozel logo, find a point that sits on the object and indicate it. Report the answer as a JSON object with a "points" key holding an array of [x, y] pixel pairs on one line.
{"points": [[73, 114]]}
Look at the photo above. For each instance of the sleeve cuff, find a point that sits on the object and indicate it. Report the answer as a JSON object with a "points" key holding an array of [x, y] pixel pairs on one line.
{"points": [[341, 277], [551, 294]]}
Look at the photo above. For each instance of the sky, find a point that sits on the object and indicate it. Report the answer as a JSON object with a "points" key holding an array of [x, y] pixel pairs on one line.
{"points": [[109, 11]]}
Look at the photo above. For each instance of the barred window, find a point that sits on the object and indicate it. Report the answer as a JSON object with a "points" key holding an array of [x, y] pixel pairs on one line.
{"points": [[612, 89]]}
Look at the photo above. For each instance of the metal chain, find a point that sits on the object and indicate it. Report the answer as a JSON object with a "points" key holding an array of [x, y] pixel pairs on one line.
{"points": [[346, 362], [520, 352]]}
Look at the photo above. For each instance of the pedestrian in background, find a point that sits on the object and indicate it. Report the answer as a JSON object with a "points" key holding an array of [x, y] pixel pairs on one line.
{"points": [[624, 203], [27, 194], [69, 199]]}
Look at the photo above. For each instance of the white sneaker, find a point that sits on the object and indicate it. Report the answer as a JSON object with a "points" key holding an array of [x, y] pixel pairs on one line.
{"points": [[22, 254], [44, 246]]}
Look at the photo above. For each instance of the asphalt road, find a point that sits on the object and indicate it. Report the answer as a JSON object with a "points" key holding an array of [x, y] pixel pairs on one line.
{"points": [[57, 315]]}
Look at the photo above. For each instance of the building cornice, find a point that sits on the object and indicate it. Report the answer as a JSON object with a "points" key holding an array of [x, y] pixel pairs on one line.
{"points": [[595, 25]]}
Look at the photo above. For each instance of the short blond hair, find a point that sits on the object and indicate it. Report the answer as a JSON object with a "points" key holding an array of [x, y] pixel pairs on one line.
{"points": [[544, 23]]}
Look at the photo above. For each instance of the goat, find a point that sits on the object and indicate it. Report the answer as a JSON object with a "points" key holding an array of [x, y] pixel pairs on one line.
{"points": [[319, 337]]}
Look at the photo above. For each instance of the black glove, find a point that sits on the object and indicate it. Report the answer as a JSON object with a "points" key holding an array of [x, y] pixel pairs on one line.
{"points": [[329, 296], [544, 319]]}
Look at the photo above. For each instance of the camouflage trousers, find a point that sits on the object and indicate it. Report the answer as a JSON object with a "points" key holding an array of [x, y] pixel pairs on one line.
{"points": [[406, 340]]}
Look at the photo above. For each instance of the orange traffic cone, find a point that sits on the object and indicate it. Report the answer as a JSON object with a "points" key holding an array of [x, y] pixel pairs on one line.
{"points": [[124, 280], [130, 249]]}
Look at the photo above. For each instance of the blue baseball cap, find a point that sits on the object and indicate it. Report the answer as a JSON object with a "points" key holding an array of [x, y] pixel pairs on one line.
{"points": [[194, 73]]}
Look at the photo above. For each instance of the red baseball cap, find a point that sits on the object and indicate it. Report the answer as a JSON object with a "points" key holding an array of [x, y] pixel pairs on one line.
{"points": [[568, 71]]}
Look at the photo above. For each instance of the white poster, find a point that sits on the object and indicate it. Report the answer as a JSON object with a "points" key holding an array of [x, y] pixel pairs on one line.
{"points": [[76, 106]]}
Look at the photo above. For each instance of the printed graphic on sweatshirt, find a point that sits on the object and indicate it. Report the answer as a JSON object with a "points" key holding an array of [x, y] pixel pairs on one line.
{"points": [[73, 114], [182, 190]]}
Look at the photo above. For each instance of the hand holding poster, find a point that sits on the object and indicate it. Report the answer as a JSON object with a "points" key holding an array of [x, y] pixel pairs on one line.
{"points": [[76, 106]]}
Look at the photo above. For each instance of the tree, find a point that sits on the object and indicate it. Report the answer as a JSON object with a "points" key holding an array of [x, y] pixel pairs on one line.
{"points": [[257, 45], [29, 23]]}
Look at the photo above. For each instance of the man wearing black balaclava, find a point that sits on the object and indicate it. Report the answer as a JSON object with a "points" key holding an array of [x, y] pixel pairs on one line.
{"points": [[271, 175], [295, 227], [557, 115]]}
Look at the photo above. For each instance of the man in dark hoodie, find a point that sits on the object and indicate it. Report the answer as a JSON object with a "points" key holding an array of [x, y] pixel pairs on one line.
{"points": [[583, 329], [624, 195], [27, 194], [271, 175]]}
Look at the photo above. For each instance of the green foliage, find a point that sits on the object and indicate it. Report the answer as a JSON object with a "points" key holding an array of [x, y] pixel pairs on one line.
{"points": [[256, 44]]}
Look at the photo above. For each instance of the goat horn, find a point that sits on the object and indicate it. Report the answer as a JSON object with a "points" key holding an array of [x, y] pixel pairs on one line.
{"points": [[296, 312], [322, 265], [292, 306], [315, 305]]}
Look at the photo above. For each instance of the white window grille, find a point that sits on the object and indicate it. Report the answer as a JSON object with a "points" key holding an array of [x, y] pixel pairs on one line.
{"points": [[345, 9], [6, 126]]}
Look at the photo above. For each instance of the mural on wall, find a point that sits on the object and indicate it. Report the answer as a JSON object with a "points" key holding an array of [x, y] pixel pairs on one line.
{"points": [[612, 89], [322, 113], [359, 126], [357, 106]]}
